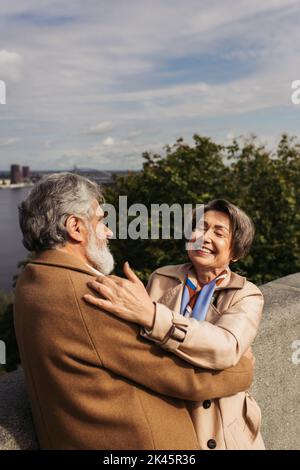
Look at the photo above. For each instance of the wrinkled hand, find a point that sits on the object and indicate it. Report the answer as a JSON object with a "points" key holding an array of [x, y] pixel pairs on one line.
{"points": [[124, 298]]}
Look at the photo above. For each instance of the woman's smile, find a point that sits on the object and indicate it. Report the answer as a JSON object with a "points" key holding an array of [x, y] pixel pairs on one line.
{"points": [[204, 252]]}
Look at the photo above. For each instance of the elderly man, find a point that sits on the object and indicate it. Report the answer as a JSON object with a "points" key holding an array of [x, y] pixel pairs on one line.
{"points": [[93, 380]]}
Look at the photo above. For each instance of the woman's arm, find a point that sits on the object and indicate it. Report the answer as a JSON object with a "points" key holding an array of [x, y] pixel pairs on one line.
{"points": [[201, 343], [213, 346]]}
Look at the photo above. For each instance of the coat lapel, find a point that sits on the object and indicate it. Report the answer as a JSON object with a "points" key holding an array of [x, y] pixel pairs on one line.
{"points": [[213, 314], [172, 296]]}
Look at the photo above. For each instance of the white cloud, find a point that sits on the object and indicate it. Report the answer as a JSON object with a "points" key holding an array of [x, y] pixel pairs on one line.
{"points": [[143, 65], [47, 144], [133, 134], [109, 141], [9, 142], [101, 127], [10, 65]]}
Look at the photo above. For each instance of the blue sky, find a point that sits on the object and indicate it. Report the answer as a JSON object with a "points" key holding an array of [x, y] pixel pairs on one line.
{"points": [[95, 83]]}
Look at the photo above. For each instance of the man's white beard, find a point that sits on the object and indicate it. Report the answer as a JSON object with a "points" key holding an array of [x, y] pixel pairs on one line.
{"points": [[99, 255]]}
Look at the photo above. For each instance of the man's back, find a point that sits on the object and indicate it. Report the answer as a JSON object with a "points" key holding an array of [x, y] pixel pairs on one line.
{"points": [[94, 383]]}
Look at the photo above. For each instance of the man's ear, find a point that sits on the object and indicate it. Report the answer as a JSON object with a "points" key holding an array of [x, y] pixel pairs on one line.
{"points": [[75, 228]]}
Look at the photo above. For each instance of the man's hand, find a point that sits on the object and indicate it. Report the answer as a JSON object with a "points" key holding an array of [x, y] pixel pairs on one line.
{"points": [[124, 298]]}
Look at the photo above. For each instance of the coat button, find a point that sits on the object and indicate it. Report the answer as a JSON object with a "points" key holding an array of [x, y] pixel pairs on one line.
{"points": [[206, 404], [211, 444]]}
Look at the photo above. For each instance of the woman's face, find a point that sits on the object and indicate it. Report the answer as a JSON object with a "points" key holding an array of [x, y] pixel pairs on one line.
{"points": [[212, 241]]}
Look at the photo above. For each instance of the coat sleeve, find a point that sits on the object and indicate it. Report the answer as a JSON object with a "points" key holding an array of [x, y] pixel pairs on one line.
{"points": [[119, 348], [212, 346]]}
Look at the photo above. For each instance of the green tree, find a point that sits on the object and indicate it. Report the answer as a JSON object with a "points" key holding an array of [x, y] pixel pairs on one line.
{"points": [[263, 183], [185, 175]]}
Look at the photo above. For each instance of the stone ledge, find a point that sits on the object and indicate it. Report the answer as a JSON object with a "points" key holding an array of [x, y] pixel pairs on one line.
{"points": [[16, 426]]}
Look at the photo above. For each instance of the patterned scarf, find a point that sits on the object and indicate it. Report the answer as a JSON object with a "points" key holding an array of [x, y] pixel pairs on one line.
{"points": [[196, 299]]}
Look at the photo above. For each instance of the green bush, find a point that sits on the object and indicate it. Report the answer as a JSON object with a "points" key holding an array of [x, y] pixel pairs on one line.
{"points": [[264, 184]]}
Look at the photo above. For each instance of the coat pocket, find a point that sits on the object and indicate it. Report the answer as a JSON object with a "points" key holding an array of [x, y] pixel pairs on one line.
{"points": [[243, 432], [252, 416]]}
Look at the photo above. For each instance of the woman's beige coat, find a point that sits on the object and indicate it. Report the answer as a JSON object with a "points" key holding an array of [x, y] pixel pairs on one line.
{"points": [[217, 343]]}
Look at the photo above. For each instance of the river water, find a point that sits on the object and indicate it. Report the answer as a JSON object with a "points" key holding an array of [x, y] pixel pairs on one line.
{"points": [[11, 248]]}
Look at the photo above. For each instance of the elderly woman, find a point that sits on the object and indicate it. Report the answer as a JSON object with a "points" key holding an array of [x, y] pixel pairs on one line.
{"points": [[204, 313]]}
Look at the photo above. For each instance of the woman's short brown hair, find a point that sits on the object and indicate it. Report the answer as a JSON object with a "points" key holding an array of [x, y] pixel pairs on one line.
{"points": [[242, 227]]}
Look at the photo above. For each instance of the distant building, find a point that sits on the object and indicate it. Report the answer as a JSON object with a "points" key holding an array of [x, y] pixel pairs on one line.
{"points": [[15, 174], [26, 173]]}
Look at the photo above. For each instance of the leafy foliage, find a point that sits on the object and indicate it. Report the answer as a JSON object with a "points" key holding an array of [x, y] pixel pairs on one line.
{"points": [[262, 183]]}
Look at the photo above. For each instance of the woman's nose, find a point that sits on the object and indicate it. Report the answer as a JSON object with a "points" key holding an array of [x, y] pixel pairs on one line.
{"points": [[207, 235]]}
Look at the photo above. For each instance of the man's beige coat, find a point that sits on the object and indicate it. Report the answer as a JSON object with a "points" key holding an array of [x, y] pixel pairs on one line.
{"points": [[93, 381]]}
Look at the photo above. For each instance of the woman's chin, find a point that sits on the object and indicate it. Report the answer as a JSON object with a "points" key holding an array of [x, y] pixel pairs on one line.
{"points": [[201, 261]]}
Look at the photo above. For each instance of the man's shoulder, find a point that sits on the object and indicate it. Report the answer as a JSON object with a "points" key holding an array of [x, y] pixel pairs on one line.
{"points": [[35, 270], [57, 284], [79, 282]]}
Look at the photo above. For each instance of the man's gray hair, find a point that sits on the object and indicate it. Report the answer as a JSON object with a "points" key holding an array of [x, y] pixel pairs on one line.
{"points": [[42, 215]]}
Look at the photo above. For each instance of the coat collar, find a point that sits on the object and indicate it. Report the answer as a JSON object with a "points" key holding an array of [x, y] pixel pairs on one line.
{"points": [[64, 260], [180, 271], [61, 259]]}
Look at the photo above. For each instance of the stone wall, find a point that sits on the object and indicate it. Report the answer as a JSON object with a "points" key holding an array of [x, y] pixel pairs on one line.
{"points": [[277, 379], [276, 386], [16, 427]]}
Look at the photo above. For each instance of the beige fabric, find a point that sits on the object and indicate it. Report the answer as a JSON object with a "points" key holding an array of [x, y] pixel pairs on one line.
{"points": [[217, 343], [93, 382]]}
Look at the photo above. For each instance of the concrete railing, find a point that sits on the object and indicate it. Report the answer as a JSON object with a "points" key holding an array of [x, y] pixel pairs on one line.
{"points": [[277, 378], [16, 426], [276, 386]]}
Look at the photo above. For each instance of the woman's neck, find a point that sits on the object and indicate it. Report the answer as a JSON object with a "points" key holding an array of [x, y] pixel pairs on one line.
{"points": [[204, 276]]}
